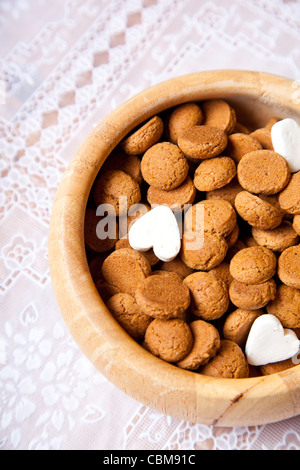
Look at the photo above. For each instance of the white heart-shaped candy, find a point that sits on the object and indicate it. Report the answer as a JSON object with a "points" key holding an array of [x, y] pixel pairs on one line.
{"points": [[269, 342], [157, 229], [285, 135]]}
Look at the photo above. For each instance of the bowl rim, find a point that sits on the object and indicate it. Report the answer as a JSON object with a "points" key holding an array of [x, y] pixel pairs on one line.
{"points": [[168, 389]]}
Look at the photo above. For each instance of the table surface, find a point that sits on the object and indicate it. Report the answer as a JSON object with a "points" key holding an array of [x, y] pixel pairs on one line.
{"points": [[65, 64]]}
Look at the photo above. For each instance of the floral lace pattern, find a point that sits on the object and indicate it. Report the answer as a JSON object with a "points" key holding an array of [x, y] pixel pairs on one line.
{"points": [[64, 66]]}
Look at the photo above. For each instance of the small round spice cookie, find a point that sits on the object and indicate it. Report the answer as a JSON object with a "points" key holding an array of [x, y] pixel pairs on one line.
{"points": [[200, 142], [289, 266], [209, 295], [248, 240], [117, 190], [226, 193], [149, 255], [276, 367], [105, 290], [214, 173], [105, 237], [238, 324], [286, 306], [230, 362], [256, 211], [119, 160], [218, 113], [296, 224], [164, 166], [240, 128], [239, 144], [215, 216], [162, 272], [125, 269], [263, 171], [233, 250], [171, 340], [176, 198], [202, 251], [163, 296], [222, 272], [233, 236], [126, 311], [263, 135], [176, 266], [273, 200], [270, 123], [277, 239], [183, 116], [206, 342], [143, 138], [253, 265], [252, 296], [289, 197], [95, 265]]}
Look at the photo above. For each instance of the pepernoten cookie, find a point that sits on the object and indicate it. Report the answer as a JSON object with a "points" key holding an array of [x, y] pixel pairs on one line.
{"points": [[289, 197], [163, 297], [239, 144], [118, 190], [256, 211], [149, 255], [101, 242], [164, 166], [263, 171], [232, 237], [214, 216], [200, 142], [218, 113], [202, 251], [130, 164], [289, 266], [252, 296], [128, 314], [253, 265], [206, 342], [143, 138], [227, 192], [286, 306], [209, 295], [176, 266], [214, 173], [176, 198], [183, 117], [125, 268], [276, 367], [296, 224], [222, 272], [263, 135], [276, 239], [238, 324], [230, 362], [171, 340]]}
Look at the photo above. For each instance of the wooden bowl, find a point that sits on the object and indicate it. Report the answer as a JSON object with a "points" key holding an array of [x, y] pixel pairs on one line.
{"points": [[164, 387]]}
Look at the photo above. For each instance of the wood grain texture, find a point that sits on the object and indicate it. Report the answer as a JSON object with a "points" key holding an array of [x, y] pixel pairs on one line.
{"points": [[161, 386]]}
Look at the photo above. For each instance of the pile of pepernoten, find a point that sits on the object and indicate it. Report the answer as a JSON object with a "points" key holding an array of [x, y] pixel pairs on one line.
{"points": [[192, 236]]}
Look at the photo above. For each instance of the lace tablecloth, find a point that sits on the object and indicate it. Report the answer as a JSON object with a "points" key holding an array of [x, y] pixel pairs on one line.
{"points": [[65, 64]]}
